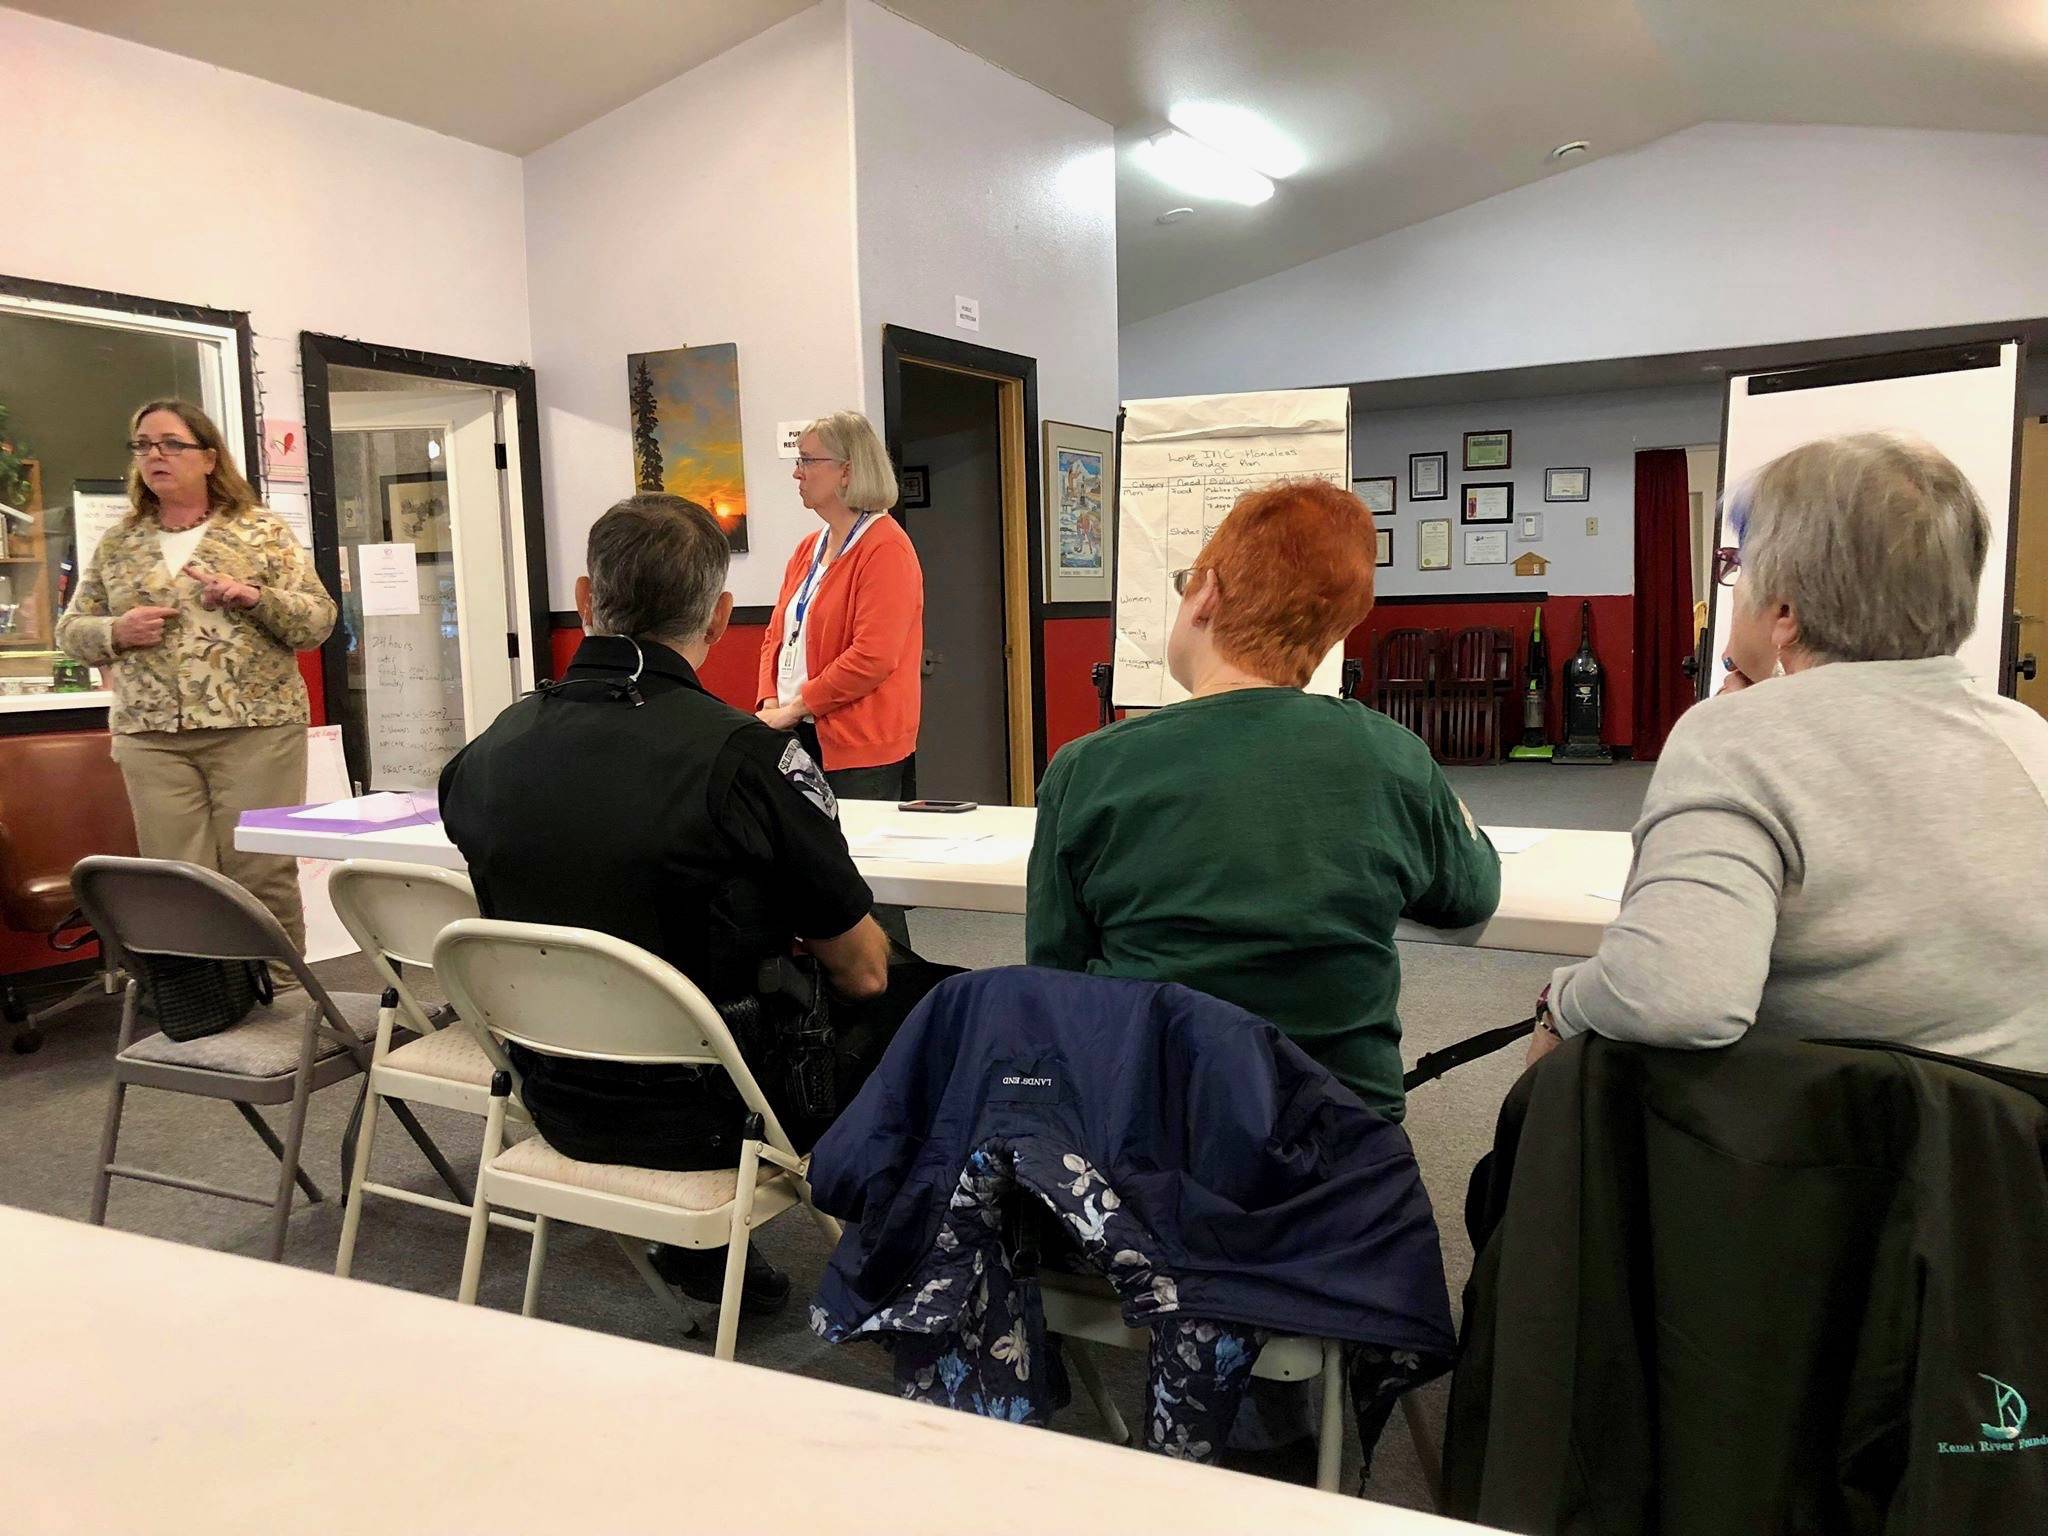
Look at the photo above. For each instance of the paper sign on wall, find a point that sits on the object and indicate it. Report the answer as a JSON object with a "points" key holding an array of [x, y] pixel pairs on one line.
{"points": [[96, 507], [966, 312], [390, 584], [296, 508], [284, 449], [786, 435]]}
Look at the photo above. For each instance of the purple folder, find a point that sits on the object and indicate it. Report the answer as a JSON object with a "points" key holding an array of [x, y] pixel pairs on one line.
{"points": [[285, 818]]}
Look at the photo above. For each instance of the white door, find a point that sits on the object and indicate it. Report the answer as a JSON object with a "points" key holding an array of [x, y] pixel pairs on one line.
{"points": [[419, 470]]}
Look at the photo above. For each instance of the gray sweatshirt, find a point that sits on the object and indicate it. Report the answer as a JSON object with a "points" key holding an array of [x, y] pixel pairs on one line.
{"points": [[1857, 851]]}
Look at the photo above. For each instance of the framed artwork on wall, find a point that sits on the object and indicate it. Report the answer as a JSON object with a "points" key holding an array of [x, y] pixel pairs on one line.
{"points": [[1428, 476], [684, 409], [1078, 483], [1489, 450], [416, 513], [914, 486], [1433, 544], [1568, 484], [1492, 501], [1377, 492]]}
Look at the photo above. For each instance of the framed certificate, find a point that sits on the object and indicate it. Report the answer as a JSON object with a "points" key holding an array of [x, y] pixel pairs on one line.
{"points": [[1428, 476], [1489, 450], [1385, 539], [1486, 546], [1492, 502], [1567, 484], [1433, 544], [1377, 492]]}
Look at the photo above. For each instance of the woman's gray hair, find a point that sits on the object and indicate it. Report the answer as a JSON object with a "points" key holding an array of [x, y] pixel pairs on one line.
{"points": [[657, 566], [1878, 543], [849, 437]]}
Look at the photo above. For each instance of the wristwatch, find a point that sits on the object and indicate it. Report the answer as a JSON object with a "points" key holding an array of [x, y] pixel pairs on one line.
{"points": [[1543, 1011]]}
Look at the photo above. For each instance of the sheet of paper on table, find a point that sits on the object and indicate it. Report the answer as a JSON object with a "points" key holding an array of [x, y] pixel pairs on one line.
{"points": [[1613, 893], [1515, 839], [923, 847], [380, 807]]}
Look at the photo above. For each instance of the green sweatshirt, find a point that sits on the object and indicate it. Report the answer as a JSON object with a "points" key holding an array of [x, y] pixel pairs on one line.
{"points": [[1259, 846]]}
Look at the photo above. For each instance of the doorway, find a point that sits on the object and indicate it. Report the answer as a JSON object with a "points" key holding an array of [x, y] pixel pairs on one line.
{"points": [[968, 417], [423, 523], [2030, 566], [951, 432]]}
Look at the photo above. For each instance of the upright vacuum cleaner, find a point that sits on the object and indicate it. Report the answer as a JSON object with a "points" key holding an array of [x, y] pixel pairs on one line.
{"points": [[1534, 746], [1585, 700]]}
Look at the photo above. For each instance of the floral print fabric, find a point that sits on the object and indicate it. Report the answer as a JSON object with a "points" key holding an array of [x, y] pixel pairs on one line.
{"points": [[215, 668], [968, 1331]]}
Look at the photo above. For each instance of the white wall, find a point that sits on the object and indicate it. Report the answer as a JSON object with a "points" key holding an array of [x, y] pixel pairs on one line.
{"points": [[973, 182], [1723, 235], [148, 174], [716, 208], [1601, 432]]}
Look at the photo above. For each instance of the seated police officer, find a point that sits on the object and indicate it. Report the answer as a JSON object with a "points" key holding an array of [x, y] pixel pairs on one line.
{"points": [[627, 799]]}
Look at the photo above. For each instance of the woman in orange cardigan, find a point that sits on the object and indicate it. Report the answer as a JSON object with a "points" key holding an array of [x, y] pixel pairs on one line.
{"points": [[841, 659]]}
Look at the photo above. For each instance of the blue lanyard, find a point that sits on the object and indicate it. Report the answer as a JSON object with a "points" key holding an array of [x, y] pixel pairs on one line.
{"points": [[812, 581]]}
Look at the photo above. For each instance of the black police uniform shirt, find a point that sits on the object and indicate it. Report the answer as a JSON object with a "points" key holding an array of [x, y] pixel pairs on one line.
{"points": [[676, 822]]}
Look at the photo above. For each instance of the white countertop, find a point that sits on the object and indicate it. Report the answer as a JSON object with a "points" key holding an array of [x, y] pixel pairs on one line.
{"points": [[164, 1389], [1547, 903], [21, 703]]}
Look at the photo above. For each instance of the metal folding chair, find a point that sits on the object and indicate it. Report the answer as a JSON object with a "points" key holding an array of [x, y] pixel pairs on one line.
{"points": [[281, 1053], [573, 992], [395, 912]]}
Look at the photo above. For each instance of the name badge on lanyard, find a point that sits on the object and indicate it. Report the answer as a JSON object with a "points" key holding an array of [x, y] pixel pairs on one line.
{"points": [[792, 652]]}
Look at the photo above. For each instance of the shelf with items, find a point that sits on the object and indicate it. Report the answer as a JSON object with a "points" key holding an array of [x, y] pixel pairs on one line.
{"points": [[27, 620]]}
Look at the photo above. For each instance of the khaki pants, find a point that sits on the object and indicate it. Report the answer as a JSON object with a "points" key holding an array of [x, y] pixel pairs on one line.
{"points": [[188, 788]]}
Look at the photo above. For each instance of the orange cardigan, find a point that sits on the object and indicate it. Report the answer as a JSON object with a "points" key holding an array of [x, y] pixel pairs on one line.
{"points": [[863, 646]]}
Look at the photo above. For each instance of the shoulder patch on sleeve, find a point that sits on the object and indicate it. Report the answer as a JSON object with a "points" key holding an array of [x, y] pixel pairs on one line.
{"points": [[808, 779], [1471, 827]]}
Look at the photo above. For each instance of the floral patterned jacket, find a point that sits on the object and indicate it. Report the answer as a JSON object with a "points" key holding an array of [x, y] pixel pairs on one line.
{"points": [[215, 668]]}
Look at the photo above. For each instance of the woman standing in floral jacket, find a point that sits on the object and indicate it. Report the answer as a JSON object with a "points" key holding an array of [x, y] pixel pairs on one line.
{"points": [[195, 607]]}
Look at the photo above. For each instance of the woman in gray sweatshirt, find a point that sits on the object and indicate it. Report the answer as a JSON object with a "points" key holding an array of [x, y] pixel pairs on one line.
{"points": [[1851, 840]]}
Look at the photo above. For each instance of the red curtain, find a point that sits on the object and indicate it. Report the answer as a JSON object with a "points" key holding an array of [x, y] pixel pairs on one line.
{"points": [[1663, 596]]}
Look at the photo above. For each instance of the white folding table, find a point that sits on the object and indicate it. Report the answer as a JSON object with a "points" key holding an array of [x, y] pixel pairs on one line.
{"points": [[167, 1389], [1552, 899]]}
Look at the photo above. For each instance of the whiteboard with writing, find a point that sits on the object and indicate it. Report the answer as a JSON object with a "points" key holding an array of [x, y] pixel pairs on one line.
{"points": [[1184, 464], [412, 699]]}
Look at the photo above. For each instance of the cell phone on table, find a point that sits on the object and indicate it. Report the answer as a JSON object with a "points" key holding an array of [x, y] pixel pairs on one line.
{"points": [[939, 807]]}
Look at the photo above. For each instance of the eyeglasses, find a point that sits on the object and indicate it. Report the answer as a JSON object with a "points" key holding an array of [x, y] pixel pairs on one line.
{"points": [[142, 447], [1181, 579], [805, 462], [1727, 565]]}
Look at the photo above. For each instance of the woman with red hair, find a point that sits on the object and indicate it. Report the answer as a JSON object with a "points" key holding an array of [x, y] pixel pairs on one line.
{"points": [[1254, 841]]}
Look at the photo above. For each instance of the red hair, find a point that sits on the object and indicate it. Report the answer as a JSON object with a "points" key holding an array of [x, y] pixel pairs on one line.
{"points": [[1295, 563]]}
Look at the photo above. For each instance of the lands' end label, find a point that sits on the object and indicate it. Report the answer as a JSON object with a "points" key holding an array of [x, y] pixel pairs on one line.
{"points": [[1034, 1084]]}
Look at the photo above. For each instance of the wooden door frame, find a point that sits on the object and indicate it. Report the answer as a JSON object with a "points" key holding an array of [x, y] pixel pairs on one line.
{"points": [[1016, 381], [2032, 490]]}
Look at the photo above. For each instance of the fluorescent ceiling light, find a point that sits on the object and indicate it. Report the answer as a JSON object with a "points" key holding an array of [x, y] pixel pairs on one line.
{"points": [[1196, 169], [1241, 134]]}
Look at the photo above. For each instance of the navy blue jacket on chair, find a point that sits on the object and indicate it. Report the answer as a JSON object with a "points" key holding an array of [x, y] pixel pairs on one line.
{"points": [[1201, 1160]]}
